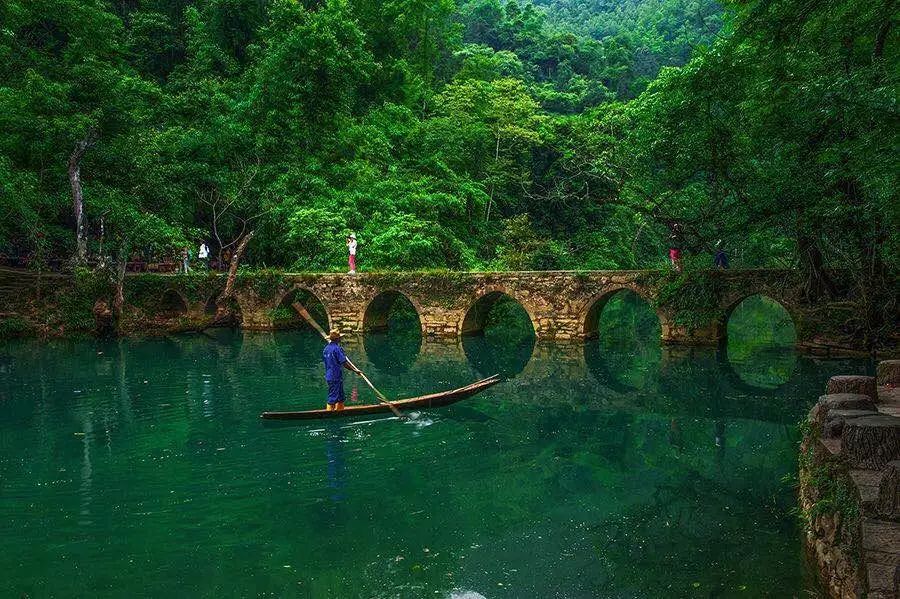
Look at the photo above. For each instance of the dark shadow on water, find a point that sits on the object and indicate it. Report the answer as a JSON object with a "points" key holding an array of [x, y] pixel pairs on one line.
{"points": [[505, 356], [301, 347], [624, 368], [464, 414], [335, 456], [763, 373]]}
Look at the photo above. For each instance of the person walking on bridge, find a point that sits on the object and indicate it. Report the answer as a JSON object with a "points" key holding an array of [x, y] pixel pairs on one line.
{"points": [[185, 260], [203, 254], [351, 247], [676, 243], [721, 259], [335, 361]]}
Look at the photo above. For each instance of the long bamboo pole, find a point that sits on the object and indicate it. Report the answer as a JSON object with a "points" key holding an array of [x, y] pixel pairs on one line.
{"points": [[302, 311]]}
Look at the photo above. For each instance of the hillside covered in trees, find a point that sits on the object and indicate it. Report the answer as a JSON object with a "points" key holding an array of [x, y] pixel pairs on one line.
{"points": [[467, 134]]}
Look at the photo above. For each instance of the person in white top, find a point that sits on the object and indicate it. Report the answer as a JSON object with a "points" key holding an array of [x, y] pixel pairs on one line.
{"points": [[203, 254], [351, 247]]}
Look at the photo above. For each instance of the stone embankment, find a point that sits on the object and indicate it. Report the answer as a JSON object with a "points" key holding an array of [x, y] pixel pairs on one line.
{"points": [[850, 484]]}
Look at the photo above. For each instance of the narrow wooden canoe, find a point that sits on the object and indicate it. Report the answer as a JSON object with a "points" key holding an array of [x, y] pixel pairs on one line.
{"points": [[444, 398]]}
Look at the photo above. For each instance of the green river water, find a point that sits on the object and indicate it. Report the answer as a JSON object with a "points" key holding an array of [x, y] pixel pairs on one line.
{"points": [[619, 468]]}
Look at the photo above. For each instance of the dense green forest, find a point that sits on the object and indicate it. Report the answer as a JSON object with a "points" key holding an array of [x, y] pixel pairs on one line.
{"points": [[461, 134]]}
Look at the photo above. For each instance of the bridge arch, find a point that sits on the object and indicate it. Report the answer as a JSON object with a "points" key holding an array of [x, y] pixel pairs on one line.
{"points": [[173, 304], [739, 300], [210, 306], [479, 308], [378, 308], [593, 308], [758, 352], [284, 315]]}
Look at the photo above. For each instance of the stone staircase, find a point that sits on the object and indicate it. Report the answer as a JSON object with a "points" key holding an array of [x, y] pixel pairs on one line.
{"points": [[858, 426]]}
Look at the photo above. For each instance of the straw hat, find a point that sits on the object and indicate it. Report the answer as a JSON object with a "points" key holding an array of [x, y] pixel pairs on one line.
{"points": [[334, 335]]}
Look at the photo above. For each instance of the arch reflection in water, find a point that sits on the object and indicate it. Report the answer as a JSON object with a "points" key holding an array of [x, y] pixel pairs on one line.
{"points": [[625, 351], [393, 333], [498, 335], [760, 342], [301, 347]]}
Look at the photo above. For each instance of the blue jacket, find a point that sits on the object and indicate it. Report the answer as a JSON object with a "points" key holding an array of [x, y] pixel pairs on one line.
{"points": [[334, 358]]}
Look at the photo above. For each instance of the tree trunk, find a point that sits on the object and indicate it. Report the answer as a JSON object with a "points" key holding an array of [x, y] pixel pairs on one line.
{"points": [[233, 267], [75, 158], [487, 216], [222, 311], [818, 281], [871, 442], [119, 299]]}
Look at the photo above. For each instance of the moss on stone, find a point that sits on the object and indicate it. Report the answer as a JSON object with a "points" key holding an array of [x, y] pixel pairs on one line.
{"points": [[693, 298]]}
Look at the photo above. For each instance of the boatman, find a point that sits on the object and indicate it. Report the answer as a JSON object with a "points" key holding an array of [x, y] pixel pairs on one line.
{"points": [[335, 361]]}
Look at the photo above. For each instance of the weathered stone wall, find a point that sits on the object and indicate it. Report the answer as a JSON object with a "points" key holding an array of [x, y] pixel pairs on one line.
{"points": [[850, 485]]}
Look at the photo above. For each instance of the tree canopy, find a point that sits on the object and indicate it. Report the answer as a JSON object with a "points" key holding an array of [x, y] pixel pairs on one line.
{"points": [[467, 134]]}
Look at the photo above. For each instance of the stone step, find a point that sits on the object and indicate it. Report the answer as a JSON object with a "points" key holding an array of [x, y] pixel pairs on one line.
{"points": [[863, 385], [871, 441]]}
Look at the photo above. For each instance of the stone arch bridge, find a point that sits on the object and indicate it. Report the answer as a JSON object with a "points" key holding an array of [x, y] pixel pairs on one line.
{"points": [[562, 305]]}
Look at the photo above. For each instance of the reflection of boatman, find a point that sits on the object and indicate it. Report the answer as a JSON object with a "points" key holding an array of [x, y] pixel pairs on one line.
{"points": [[334, 453], [335, 361]]}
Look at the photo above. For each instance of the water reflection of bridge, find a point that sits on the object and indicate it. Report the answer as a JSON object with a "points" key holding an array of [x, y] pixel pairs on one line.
{"points": [[700, 382], [673, 381], [670, 381], [695, 383]]}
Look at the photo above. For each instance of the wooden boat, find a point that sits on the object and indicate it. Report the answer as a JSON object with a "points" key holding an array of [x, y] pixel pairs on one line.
{"points": [[434, 400]]}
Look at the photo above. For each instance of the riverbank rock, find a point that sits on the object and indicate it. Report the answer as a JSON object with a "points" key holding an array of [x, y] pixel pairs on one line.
{"points": [[835, 420], [863, 385], [104, 322]]}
